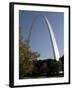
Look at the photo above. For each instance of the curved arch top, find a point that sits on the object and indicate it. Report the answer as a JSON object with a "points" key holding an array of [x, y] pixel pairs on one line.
{"points": [[51, 33]]}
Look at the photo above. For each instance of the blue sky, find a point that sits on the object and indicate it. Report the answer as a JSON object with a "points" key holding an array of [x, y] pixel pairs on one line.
{"points": [[40, 39]]}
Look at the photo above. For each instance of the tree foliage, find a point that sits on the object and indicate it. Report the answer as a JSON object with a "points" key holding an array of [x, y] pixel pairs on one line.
{"points": [[55, 67], [26, 58]]}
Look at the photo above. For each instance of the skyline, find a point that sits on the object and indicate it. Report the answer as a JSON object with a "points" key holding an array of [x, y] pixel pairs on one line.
{"points": [[40, 38]]}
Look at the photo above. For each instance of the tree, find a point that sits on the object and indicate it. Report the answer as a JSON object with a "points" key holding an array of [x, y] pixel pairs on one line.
{"points": [[62, 61], [54, 67], [26, 58]]}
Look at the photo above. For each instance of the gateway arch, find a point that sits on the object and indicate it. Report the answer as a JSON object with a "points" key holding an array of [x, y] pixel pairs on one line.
{"points": [[51, 33]]}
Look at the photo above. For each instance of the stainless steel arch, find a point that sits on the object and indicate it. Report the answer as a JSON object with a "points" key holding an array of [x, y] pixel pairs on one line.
{"points": [[51, 33]]}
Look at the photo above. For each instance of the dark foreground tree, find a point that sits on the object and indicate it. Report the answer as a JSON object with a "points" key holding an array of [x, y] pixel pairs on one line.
{"points": [[54, 67]]}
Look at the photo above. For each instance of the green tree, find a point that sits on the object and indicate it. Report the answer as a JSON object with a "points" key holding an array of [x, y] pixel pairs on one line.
{"points": [[26, 58], [54, 67]]}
